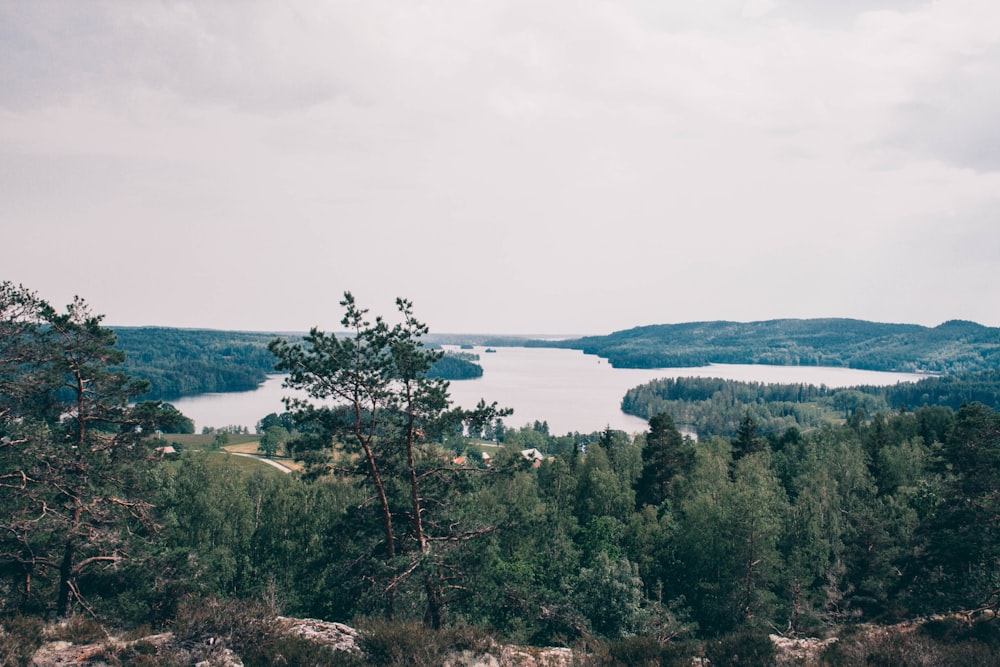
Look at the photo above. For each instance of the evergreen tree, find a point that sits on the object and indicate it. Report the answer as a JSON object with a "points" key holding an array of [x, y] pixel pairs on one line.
{"points": [[665, 455], [377, 377], [74, 454], [962, 534]]}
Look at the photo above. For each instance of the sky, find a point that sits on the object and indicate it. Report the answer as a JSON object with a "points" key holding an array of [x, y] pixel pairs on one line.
{"points": [[510, 166]]}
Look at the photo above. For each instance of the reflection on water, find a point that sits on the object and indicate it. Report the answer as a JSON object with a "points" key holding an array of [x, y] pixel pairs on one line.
{"points": [[568, 389]]}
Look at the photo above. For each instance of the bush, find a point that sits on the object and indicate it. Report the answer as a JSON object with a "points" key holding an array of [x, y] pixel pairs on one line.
{"points": [[953, 642], [20, 637], [79, 630], [955, 629], [388, 643], [637, 652], [742, 648], [385, 643], [139, 654]]}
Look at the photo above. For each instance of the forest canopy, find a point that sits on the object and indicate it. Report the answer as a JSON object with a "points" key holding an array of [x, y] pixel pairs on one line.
{"points": [[187, 362], [714, 406]]}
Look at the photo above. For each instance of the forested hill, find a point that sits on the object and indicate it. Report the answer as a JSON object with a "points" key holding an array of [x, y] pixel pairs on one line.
{"points": [[187, 362], [953, 347]]}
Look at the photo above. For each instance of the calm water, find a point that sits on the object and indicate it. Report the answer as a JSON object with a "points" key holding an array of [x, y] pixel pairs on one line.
{"points": [[568, 389]]}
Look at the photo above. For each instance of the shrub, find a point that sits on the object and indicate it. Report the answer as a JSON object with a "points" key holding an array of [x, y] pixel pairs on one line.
{"points": [[637, 652], [139, 654], [20, 637], [741, 648], [385, 643], [953, 642], [79, 630]]}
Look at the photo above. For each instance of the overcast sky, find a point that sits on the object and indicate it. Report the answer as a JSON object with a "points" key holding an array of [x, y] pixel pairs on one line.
{"points": [[535, 166]]}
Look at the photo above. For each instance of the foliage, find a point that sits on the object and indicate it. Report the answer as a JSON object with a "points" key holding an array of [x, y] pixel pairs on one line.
{"points": [[456, 366], [274, 437], [385, 405], [386, 644], [713, 406], [950, 642], [641, 652], [75, 456], [665, 455], [20, 637], [754, 649], [186, 362]]}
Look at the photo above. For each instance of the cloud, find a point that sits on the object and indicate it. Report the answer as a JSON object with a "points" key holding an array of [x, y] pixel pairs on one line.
{"points": [[583, 165]]}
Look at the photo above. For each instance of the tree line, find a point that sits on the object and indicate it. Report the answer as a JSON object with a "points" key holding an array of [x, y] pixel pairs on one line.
{"points": [[714, 406], [885, 516], [188, 362]]}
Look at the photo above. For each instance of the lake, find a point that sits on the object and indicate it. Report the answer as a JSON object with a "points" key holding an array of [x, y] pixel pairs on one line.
{"points": [[570, 390]]}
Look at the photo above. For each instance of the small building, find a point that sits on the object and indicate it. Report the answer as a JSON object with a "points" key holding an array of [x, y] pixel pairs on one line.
{"points": [[533, 455]]}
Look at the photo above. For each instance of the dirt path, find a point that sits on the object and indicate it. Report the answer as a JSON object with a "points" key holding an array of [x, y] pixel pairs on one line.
{"points": [[264, 459]]}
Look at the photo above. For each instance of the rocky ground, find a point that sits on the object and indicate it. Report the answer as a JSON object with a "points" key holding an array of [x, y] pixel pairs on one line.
{"points": [[896, 644], [211, 653]]}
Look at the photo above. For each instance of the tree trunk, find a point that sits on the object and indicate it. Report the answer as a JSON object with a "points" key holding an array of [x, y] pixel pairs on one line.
{"points": [[435, 605], [65, 574]]}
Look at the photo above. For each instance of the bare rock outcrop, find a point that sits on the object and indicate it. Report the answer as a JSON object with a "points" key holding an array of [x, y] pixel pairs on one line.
{"points": [[337, 636]]}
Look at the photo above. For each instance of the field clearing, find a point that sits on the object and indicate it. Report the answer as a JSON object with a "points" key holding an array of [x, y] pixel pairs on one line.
{"points": [[243, 448], [251, 448], [221, 458], [205, 440]]}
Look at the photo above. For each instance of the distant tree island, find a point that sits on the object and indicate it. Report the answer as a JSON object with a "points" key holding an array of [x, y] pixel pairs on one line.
{"points": [[954, 347]]}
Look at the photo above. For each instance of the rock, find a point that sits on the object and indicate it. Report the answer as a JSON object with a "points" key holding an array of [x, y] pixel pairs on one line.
{"points": [[802, 651], [68, 654], [523, 656], [337, 636]]}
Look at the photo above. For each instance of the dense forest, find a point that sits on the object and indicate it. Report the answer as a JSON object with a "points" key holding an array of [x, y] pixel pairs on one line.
{"points": [[713, 406], [647, 550], [187, 362], [951, 348]]}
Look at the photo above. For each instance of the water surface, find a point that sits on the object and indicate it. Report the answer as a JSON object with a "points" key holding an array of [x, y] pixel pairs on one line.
{"points": [[570, 390]]}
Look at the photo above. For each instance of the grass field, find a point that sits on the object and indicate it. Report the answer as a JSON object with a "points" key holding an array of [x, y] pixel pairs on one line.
{"points": [[201, 440], [242, 463], [251, 448], [238, 444]]}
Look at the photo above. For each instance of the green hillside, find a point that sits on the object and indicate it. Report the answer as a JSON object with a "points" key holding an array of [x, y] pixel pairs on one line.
{"points": [[950, 348], [187, 362]]}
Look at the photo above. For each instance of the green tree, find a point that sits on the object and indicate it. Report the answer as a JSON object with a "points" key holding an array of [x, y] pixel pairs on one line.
{"points": [[729, 528], [960, 568], [274, 438], [665, 456], [601, 492], [609, 594], [74, 455], [379, 373], [747, 441]]}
